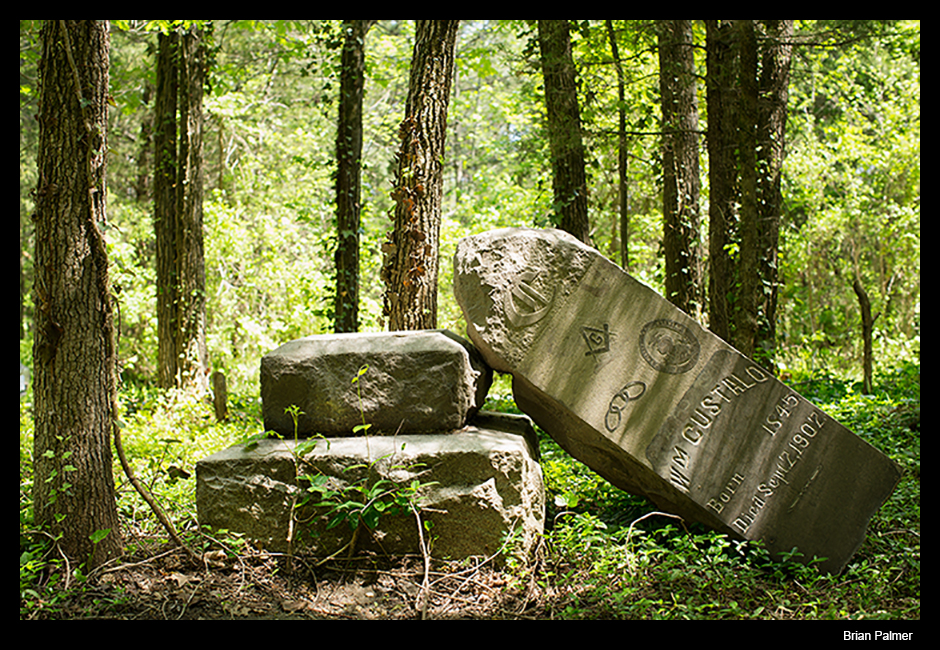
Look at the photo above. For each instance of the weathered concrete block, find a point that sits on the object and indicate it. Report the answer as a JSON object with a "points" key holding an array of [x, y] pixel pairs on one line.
{"points": [[417, 382], [658, 405], [480, 484]]}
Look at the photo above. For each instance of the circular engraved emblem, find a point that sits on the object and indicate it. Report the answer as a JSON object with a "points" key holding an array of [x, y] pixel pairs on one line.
{"points": [[668, 346]]}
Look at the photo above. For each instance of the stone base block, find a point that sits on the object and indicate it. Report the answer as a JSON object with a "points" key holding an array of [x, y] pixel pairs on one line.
{"points": [[480, 484]]}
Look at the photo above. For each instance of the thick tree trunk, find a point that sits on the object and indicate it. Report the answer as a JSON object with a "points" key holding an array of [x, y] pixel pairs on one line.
{"points": [[569, 182], [74, 348], [348, 174], [681, 216], [722, 98], [411, 267]]}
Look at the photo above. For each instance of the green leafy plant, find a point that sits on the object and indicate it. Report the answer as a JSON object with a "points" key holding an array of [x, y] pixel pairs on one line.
{"points": [[364, 501]]}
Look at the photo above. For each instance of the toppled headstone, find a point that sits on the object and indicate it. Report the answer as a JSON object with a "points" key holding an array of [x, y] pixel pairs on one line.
{"points": [[659, 406], [417, 382], [479, 485]]}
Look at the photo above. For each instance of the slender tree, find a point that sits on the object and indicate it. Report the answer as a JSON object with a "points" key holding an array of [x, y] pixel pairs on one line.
{"points": [[868, 326], [164, 206], [411, 251], [143, 186], [178, 216], [348, 174], [569, 181], [680, 151], [74, 346], [622, 159], [746, 305], [773, 93], [722, 100]]}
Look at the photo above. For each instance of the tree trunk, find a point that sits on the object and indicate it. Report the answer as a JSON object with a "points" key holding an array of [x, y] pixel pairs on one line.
{"points": [[178, 217], [868, 326], [747, 119], [411, 265], [142, 188], [569, 182], [348, 174], [622, 160], [164, 206], [74, 347], [773, 88], [681, 217], [722, 98], [192, 354], [746, 307]]}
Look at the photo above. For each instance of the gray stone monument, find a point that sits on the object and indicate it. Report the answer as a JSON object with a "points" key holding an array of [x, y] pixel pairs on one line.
{"points": [[658, 405], [416, 382], [481, 483], [478, 475]]}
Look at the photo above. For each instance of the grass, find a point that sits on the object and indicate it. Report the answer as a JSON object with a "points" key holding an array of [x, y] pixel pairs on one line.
{"points": [[604, 557]]}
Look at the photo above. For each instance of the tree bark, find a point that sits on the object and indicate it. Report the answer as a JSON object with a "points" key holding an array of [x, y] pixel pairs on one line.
{"points": [[411, 251], [164, 206], [74, 348], [868, 327], [681, 216], [178, 217], [722, 98], [348, 175], [773, 90], [569, 182], [622, 160], [746, 312], [192, 354]]}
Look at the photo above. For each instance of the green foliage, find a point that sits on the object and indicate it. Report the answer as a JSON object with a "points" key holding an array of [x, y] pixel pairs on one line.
{"points": [[851, 181], [852, 200], [361, 502], [851, 209]]}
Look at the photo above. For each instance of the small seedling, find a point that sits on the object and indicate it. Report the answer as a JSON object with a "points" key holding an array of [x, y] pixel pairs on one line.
{"points": [[367, 500]]}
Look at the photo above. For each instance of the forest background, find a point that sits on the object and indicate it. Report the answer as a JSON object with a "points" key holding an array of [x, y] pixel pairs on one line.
{"points": [[848, 259], [850, 183]]}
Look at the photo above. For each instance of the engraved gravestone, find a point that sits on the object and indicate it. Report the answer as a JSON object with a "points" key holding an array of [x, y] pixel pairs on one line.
{"points": [[659, 406]]}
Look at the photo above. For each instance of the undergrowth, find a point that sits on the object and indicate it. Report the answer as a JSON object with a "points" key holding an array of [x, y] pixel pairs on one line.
{"points": [[606, 554]]}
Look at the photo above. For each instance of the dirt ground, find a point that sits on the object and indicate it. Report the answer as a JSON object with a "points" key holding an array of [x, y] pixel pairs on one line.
{"points": [[255, 585]]}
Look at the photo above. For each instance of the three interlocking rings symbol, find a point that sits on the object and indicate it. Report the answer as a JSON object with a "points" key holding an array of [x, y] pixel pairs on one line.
{"points": [[632, 391]]}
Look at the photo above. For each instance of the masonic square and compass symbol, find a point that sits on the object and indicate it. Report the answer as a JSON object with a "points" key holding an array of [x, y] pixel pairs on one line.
{"points": [[597, 340]]}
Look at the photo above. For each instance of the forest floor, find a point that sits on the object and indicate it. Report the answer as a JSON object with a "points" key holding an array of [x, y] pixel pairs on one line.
{"points": [[256, 585], [603, 556]]}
